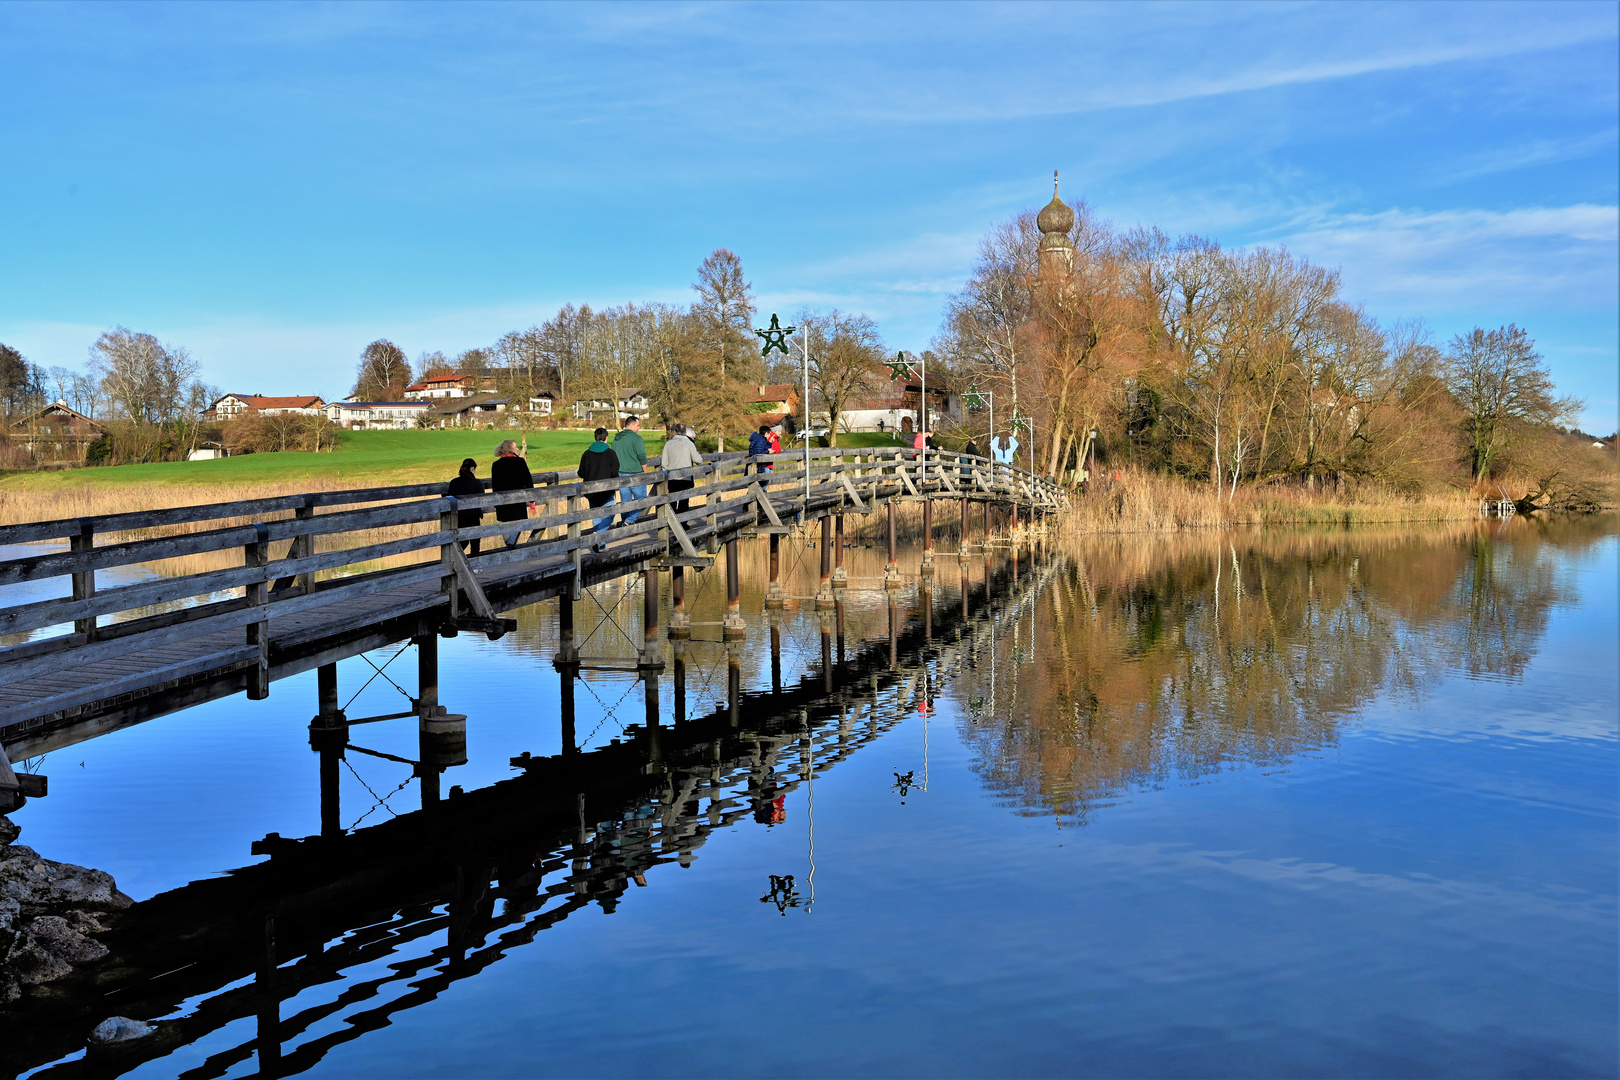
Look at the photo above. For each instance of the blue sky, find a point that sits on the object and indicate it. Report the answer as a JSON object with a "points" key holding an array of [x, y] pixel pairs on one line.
{"points": [[275, 185]]}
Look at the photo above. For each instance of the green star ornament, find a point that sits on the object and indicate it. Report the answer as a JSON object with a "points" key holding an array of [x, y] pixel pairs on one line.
{"points": [[899, 368], [775, 336]]}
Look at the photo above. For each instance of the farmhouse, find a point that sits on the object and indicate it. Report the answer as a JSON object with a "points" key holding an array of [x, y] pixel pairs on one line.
{"points": [[55, 434]]}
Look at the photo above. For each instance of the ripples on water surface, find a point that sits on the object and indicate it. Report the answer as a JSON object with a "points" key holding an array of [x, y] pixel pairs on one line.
{"points": [[1282, 805]]}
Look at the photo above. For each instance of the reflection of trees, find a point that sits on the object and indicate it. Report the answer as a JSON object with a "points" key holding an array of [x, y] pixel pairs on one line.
{"points": [[1150, 660]]}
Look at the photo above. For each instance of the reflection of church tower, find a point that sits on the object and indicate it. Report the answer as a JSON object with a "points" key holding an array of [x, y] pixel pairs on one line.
{"points": [[1056, 252]]}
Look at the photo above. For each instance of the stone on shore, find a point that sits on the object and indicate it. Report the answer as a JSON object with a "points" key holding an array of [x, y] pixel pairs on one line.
{"points": [[48, 912]]}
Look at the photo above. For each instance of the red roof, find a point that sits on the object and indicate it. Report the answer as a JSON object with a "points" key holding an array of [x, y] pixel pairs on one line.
{"points": [[262, 403], [776, 392]]}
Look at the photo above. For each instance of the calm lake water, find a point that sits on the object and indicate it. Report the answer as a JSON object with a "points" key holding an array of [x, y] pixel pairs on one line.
{"points": [[1282, 804]]}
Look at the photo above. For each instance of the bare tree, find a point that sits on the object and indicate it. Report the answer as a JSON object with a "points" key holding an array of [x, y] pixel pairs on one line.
{"points": [[1504, 389], [383, 372], [846, 361], [144, 379]]}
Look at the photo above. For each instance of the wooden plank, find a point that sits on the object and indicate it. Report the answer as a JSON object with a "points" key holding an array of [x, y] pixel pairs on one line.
{"points": [[16, 670], [241, 656]]}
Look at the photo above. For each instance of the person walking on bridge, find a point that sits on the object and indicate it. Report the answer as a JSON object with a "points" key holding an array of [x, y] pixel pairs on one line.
{"points": [[759, 444], [467, 483], [599, 462], [632, 451], [510, 473], [680, 452]]}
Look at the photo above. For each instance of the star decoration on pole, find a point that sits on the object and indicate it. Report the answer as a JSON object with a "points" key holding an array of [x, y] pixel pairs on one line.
{"points": [[899, 367], [974, 399], [1018, 423], [775, 336]]}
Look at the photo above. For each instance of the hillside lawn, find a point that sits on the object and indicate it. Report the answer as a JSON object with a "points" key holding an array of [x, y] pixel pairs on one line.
{"points": [[362, 459]]}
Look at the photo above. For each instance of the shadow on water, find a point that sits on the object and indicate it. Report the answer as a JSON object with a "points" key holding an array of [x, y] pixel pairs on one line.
{"points": [[1081, 675]]}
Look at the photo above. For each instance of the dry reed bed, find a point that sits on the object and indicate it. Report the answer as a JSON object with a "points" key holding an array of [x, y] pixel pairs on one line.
{"points": [[1140, 502]]}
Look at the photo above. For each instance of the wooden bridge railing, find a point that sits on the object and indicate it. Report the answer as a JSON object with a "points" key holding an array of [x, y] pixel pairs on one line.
{"points": [[736, 490]]}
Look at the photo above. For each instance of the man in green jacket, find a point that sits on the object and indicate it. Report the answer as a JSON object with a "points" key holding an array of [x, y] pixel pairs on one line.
{"points": [[632, 451]]}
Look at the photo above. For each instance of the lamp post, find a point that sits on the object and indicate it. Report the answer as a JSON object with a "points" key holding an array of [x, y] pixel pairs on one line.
{"points": [[775, 337]]}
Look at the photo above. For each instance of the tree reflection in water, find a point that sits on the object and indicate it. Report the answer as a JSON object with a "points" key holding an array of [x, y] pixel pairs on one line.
{"points": [[1151, 659]]}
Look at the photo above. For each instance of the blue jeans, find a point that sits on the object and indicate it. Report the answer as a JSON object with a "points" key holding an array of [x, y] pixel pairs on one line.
{"points": [[631, 494]]}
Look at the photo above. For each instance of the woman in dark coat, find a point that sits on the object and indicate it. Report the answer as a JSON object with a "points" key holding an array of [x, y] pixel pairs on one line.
{"points": [[467, 483], [510, 473]]}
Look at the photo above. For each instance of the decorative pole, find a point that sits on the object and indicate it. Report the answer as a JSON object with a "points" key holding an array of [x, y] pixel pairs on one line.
{"points": [[775, 337]]}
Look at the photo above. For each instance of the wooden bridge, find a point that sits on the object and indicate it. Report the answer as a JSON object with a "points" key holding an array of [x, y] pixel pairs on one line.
{"points": [[298, 585], [293, 941]]}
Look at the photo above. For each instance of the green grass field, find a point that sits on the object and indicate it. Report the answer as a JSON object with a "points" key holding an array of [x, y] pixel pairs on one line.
{"points": [[363, 459]]}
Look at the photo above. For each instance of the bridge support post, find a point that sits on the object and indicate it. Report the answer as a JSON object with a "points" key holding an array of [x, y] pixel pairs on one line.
{"points": [[680, 623], [894, 630], [840, 577], [962, 536], [824, 593], [826, 653], [652, 657], [427, 676], [927, 567], [734, 684], [679, 655], [1014, 526], [328, 735], [565, 703], [891, 573], [838, 624], [733, 627], [773, 591], [776, 655], [567, 652]]}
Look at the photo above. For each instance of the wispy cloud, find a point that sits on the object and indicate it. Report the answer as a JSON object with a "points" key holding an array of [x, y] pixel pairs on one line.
{"points": [[1417, 261]]}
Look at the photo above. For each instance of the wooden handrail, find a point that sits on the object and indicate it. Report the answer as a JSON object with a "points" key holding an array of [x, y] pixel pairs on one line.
{"points": [[878, 472]]}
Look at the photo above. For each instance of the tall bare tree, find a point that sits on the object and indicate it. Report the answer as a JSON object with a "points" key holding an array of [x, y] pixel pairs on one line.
{"points": [[145, 380], [846, 362], [383, 373], [1504, 389]]}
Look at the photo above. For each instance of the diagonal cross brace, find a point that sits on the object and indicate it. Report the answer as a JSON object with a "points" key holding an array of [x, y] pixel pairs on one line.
{"points": [[849, 489], [469, 582], [770, 511], [675, 530]]}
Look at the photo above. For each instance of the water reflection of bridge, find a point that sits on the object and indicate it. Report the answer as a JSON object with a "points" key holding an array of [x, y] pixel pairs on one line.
{"points": [[489, 869]]}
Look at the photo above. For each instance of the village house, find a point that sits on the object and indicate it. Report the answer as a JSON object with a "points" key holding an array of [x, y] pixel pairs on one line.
{"points": [[772, 402], [632, 402], [377, 415], [449, 385], [232, 406], [895, 409], [55, 434]]}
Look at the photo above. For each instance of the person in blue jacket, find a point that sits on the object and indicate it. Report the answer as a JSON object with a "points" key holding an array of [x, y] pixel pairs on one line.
{"points": [[760, 443]]}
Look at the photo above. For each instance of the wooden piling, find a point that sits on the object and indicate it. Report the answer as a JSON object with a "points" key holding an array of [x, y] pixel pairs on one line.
{"points": [[680, 623], [773, 590], [891, 573], [733, 626], [840, 577], [824, 593]]}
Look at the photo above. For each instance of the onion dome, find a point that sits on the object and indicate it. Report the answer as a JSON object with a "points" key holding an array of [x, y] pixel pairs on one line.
{"points": [[1055, 216]]}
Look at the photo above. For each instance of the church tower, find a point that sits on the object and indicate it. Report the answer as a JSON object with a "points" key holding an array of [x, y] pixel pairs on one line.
{"points": [[1056, 251]]}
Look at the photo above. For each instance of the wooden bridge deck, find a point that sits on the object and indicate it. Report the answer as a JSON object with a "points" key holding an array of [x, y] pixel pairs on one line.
{"points": [[61, 690]]}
